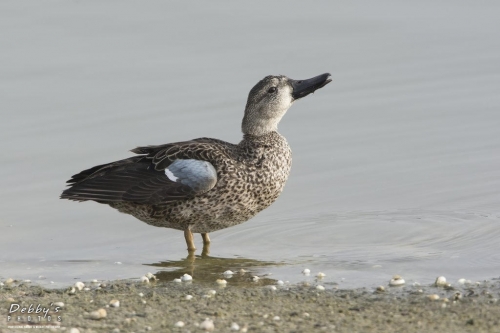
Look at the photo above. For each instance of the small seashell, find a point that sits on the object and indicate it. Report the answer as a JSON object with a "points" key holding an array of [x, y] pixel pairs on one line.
{"points": [[320, 275], [235, 327], [396, 281], [462, 281], [59, 304], [272, 287], [188, 297], [186, 278], [221, 282], [99, 314], [140, 294], [255, 278], [10, 299], [94, 281], [212, 292], [305, 314], [440, 281], [86, 289], [1, 284], [72, 291], [280, 283], [9, 280], [144, 279], [207, 325], [74, 330], [433, 297], [320, 288], [380, 289], [177, 280], [114, 303], [179, 324], [143, 302], [306, 271], [79, 285], [276, 318], [228, 274], [151, 276], [242, 271]]}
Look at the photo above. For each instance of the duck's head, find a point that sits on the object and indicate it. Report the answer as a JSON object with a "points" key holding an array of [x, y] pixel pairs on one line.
{"points": [[269, 100]]}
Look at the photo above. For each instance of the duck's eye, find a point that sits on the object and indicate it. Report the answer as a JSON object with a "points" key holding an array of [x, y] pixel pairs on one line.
{"points": [[271, 90]]}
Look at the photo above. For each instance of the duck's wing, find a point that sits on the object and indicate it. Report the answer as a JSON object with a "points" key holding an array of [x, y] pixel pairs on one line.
{"points": [[161, 174]]}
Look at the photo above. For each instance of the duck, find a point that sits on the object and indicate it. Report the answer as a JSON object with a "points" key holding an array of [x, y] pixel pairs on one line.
{"points": [[204, 185]]}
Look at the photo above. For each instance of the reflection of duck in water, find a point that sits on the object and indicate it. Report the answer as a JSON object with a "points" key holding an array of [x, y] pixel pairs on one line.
{"points": [[204, 185], [206, 269]]}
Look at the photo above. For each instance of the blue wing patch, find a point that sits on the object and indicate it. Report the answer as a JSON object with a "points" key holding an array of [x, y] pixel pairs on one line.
{"points": [[199, 175]]}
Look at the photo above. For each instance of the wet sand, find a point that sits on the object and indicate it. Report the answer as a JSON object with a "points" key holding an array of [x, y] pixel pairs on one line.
{"points": [[157, 306]]}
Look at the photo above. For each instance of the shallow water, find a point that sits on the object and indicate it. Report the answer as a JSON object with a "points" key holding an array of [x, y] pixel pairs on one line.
{"points": [[396, 163]]}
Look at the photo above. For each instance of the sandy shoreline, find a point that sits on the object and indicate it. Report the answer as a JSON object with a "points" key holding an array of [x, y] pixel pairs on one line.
{"points": [[157, 306]]}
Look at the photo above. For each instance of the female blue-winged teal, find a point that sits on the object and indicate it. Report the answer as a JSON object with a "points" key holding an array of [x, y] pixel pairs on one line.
{"points": [[204, 185]]}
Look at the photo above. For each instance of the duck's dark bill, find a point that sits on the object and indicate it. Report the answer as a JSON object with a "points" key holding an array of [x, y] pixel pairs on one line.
{"points": [[302, 88]]}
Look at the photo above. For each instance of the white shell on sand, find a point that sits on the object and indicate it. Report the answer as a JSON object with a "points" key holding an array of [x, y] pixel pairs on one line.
{"points": [[144, 279], [179, 324], [255, 278], [235, 327], [306, 271], [79, 285], [186, 278], [114, 303], [320, 288], [228, 274], [280, 283], [440, 281], [207, 325], [59, 304], [178, 280], [99, 314], [433, 297], [320, 275], [188, 297], [396, 281], [221, 282]]}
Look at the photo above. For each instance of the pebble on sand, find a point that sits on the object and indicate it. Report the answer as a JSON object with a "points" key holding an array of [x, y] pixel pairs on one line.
{"points": [[74, 330], [99, 314], [272, 287], [9, 280], [320, 288], [396, 281], [79, 285], [179, 324], [186, 278], [177, 280], [144, 279], [280, 283], [433, 297], [235, 327], [114, 303], [188, 297], [380, 289], [207, 325], [255, 278], [59, 304], [212, 292], [320, 275], [306, 271], [440, 281]]}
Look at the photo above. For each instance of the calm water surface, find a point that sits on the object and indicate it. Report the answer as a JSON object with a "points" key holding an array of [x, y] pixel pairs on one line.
{"points": [[396, 163]]}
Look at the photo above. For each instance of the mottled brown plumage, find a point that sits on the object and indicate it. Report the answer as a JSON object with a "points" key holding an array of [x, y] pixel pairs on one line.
{"points": [[204, 185]]}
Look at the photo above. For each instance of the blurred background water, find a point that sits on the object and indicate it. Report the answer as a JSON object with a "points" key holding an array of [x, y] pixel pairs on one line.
{"points": [[396, 164]]}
